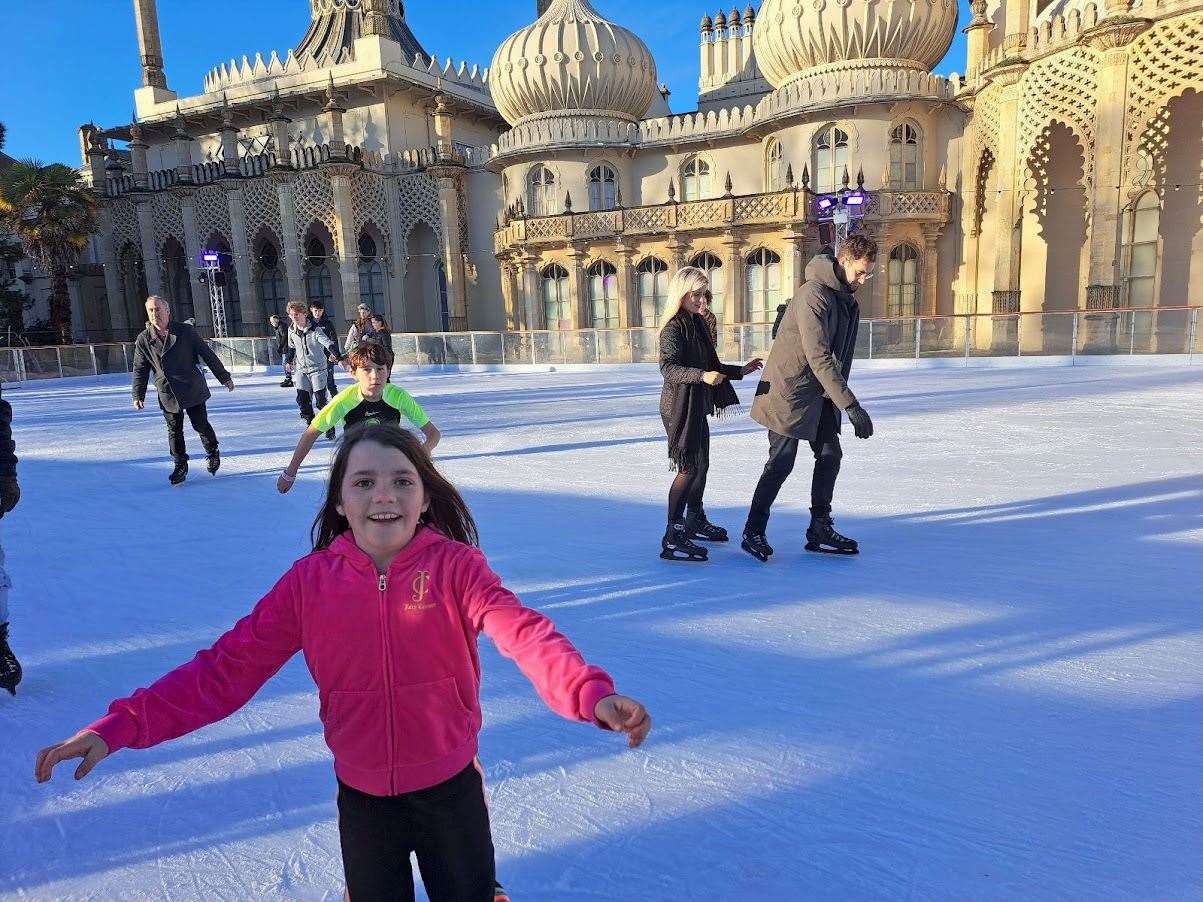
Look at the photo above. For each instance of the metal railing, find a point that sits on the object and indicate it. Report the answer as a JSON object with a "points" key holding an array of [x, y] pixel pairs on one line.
{"points": [[1085, 333]]}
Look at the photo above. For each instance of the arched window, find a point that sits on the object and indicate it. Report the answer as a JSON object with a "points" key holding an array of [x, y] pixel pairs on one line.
{"points": [[831, 158], [1141, 227], [774, 167], [371, 273], [653, 290], [906, 155], [764, 286], [557, 303], [541, 192], [273, 285], [902, 271], [317, 273], [603, 295], [603, 187], [713, 267], [176, 279], [695, 179]]}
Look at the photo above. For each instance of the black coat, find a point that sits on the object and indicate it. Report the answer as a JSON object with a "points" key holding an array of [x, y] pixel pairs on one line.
{"points": [[686, 354], [8, 448], [280, 333], [176, 363], [328, 327]]}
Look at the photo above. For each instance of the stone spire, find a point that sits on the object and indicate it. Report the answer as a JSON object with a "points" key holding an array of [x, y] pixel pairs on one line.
{"points": [[149, 44]]}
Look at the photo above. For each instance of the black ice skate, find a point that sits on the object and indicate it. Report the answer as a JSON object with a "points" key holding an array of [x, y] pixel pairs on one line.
{"points": [[10, 667], [822, 537], [330, 434], [757, 545], [214, 462], [678, 546], [287, 383], [701, 528], [180, 473]]}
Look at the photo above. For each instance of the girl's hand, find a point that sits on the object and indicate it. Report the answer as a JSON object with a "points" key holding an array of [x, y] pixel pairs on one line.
{"points": [[753, 365], [284, 483], [88, 746], [713, 377], [625, 715]]}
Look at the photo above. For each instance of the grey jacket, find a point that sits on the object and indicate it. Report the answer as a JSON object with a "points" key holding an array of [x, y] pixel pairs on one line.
{"points": [[307, 350], [811, 358]]}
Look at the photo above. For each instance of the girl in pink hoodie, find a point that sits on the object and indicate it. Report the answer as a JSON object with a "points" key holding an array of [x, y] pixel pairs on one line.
{"points": [[387, 610]]}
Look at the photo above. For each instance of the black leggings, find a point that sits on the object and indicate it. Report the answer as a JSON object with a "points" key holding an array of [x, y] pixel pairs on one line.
{"points": [[690, 485], [446, 825]]}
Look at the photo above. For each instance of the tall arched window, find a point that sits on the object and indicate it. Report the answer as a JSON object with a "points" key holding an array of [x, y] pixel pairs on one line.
{"points": [[1141, 227], [764, 286], [695, 179], [371, 273], [557, 302], [831, 158], [653, 290], [541, 192], [902, 271], [713, 267], [906, 154], [273, 285], [176, 279], [603, 295], [774, 167], [603, 187], [317, 273]]}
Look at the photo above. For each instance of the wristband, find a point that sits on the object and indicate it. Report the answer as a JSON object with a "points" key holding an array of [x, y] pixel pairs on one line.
{"points": [[291, 477]]}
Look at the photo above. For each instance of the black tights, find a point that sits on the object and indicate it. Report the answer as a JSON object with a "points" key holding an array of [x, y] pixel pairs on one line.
{"points": [[690, 485]]}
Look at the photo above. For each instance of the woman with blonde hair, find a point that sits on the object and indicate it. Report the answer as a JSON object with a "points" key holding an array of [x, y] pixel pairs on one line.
{"points": [[696, 385]]}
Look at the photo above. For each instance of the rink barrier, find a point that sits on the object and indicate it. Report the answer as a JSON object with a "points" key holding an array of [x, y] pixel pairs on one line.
{"points": [[1073, 338]]}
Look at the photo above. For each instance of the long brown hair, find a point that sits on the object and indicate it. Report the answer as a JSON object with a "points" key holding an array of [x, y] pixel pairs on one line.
{"points": [[448, 513]]}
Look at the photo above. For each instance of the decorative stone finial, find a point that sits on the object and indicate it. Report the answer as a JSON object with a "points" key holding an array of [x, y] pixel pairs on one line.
{"points": [[728, 186]]}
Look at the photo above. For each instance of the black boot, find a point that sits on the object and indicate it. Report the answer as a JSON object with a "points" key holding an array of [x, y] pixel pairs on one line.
{"points": [[330, 434], [757, 545], [213, 463], [678, 546], [821, 536], [10, 667], [287, 383], [180, 473], [701, 528]]}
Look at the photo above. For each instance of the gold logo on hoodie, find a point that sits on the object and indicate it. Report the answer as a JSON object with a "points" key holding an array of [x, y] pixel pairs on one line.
{"points": [[421, 587]]}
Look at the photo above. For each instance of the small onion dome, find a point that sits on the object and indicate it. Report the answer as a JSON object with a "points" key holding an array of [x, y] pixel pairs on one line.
{"points": [[749, 15], [734, 20], [720, 21], [707, 25]]}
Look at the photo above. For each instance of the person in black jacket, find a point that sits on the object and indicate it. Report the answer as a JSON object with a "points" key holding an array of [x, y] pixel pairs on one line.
{"points": [[317, 310], [280, 336], [174, 351], [696, 385], [10, 494]]}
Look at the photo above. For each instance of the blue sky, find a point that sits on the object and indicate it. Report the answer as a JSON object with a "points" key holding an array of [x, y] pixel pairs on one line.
{"points": [[71, 61]]}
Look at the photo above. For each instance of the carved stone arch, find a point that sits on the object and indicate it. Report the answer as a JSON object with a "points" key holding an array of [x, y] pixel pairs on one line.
{"points": [[317, 229], [981, 185], [1040, 182], [177, 281], [384, 244], [1061, 88], [133, 282], [271, 282]]}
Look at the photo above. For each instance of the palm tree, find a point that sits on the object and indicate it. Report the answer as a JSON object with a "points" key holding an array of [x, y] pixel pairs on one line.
{"points": [[52, 214]]}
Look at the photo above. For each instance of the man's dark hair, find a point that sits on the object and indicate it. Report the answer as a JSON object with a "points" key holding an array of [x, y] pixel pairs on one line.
{"points": [[317, 305], [858, 247]]}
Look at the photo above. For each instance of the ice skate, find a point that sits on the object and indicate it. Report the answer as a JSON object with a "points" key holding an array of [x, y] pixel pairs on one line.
{"points": [[700, 527], [822, 537], [287, 383], [757, 545], [330, 434], [10, 667], [180, 473], [213, 462], [678, 546]]}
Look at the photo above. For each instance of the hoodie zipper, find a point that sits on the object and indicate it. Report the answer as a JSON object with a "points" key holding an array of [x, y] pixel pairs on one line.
{"points": [[386, 644]]}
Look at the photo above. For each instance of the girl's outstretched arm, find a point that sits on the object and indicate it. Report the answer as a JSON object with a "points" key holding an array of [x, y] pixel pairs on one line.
{"points": [[304, 446]]}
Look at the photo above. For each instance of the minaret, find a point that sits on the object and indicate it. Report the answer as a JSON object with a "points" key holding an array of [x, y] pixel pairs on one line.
{"points": [[154, 88]]}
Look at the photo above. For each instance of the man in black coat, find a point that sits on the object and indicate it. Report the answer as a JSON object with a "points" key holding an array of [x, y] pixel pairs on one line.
{"points": [[804, 388], [317, 309], [280, 335], [10, 494], [174, 351]]}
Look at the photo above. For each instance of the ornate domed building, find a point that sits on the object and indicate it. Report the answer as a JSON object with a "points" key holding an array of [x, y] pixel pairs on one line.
{"points": [[556, 191]]}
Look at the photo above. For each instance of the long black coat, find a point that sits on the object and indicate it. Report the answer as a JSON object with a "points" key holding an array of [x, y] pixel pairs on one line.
{"points": [[811, 357], [8, 448], [686, 354], [175, 361]]}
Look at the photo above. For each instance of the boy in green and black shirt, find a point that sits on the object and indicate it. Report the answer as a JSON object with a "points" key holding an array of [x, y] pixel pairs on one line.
{"points": [[372, 399]]}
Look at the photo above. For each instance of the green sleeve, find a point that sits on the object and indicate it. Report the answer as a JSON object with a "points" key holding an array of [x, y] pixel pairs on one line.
{"points": [[336, 411], [403, 401]]}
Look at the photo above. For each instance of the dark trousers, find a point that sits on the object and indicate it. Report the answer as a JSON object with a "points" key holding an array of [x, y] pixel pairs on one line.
{"points": [[331, 385], [305, 401], [446, 825], [198, 416], [783, 451], [689, 486]]}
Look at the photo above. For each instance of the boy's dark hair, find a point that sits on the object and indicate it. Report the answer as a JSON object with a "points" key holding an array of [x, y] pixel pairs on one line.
{"points": [[370, 352], [858, 247], [448, 513], [318, 305]]}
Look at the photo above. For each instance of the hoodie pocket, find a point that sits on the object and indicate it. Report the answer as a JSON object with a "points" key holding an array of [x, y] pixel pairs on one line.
{"points": [[431, 721], [355, 728]]}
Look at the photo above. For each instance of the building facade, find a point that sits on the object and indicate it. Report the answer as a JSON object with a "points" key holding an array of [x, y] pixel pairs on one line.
{"points": [[555, 190]]}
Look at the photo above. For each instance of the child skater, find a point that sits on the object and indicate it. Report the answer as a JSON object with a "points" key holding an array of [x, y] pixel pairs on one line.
{"points": [[387, 610], [308, 345], [372, 399]]}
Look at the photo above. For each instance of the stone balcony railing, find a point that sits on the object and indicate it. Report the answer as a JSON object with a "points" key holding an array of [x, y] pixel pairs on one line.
{"points": [[772, 209]]}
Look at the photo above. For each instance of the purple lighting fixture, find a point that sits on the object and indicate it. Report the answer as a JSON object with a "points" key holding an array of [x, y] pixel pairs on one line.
{"points": [[825, 203], [855, 199], [211, 257]]}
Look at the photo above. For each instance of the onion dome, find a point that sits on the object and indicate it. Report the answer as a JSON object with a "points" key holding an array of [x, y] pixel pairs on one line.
{"points": [[720, 21], [336, 24], [570, 62], [749, 15], [707, 25]]}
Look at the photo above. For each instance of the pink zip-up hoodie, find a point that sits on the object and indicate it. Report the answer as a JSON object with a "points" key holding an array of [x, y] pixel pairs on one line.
{"points": [[394, 658]]}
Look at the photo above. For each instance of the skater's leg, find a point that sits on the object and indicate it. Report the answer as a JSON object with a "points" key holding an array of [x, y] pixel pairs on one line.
{"points": [[198, 415], [698, 489], [783, 451], [828, 455], [374, 835], [175, 434], [331, 385], [305, 403], [453, 839], [320, 399]]}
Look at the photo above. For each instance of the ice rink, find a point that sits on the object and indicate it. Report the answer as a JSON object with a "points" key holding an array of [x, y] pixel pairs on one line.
{"points": [[1001, 698]]}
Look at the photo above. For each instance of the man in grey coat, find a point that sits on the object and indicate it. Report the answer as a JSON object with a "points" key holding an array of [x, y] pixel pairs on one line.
{"points": [[174, 352], [803, 389]]}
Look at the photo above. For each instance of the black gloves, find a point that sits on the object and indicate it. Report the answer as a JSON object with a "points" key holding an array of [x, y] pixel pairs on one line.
{"points": [[859, 418], [10, 494]]}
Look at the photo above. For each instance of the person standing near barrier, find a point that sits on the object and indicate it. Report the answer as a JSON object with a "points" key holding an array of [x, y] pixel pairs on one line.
{"points": [[803, 389], [10, 494], [174, 352], [317, 310]]}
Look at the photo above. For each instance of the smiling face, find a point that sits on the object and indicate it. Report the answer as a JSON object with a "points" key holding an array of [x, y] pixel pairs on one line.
{"points": [[383, 498], [697, 301], [371, 379]]}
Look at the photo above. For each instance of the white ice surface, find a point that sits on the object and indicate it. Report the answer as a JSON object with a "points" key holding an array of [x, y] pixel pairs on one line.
{"points": [[999, 699]]}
